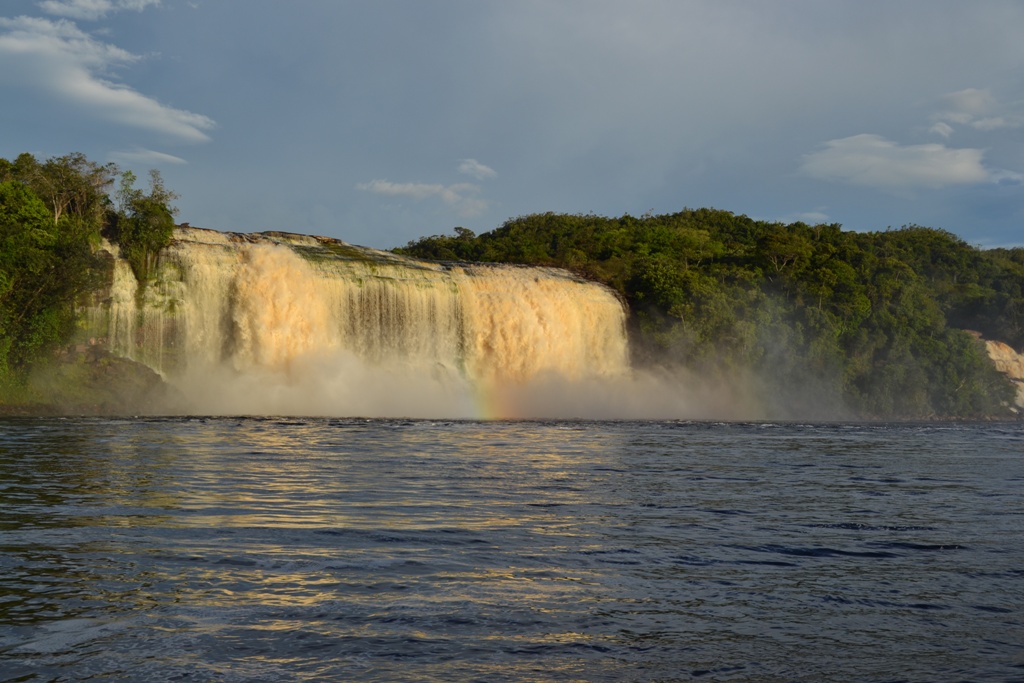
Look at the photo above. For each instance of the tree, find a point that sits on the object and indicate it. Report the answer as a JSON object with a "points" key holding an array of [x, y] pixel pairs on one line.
{"points": [[43, 268], [869, 320], [52, 215], [69, 185], [144, 223], [783, 247]]}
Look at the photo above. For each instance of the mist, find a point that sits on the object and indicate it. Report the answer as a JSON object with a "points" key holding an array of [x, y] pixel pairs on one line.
{"points": [[343, 385], [277, 324]]}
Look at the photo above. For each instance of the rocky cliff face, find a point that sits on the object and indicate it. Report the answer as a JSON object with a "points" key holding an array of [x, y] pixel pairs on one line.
{"points": [[1011, 364]]}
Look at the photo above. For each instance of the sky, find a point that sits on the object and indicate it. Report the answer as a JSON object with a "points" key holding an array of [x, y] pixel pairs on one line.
{"points": [[381, 121]]}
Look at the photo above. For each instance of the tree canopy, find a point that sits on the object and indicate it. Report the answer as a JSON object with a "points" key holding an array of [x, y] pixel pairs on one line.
{"points": [[52, 216], [144, 222], [874, 321]]}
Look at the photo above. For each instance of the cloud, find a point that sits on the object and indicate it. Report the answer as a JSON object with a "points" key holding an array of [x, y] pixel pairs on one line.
{"points": [[873, 161], [942, 128], [50, 40], [973, 101], [476, 169], [58, 57], [976, 108], [145, 156], [812, 217], [1005, 177], [92, 9], [457, 195], [995, 123]]}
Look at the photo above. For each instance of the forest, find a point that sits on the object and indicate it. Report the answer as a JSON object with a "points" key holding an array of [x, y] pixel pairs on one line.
{"points": [[864, 324], [53, 214], [828, 321]]}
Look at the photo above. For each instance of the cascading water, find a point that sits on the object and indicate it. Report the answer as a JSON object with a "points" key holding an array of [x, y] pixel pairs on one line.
{"points": [[277, 323]]}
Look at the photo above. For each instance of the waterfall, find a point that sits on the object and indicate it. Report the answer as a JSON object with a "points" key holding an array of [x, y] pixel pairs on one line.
{"points": [[279, 323]]}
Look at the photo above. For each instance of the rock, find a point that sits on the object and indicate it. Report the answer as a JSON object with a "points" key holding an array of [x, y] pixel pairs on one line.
{"points": [[1010, 363], [100, 383]]}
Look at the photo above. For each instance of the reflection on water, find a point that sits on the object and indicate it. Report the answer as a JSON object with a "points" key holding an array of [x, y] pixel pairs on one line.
{"points": [[262, 549]]}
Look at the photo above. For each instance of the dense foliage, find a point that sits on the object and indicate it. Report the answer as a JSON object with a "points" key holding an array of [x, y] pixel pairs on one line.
{"points": [[144, 223], [820, 318], [52, 217]]}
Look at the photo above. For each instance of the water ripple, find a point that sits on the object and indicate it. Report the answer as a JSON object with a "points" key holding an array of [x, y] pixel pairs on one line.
{"points": [[295, 549]]}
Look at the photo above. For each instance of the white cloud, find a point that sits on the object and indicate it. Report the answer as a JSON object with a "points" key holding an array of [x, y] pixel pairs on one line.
{"points": [[92, 9], [476, 169], [971, 101], [58, 57], [812, 217], [942, 128], [58, 40], [145, 156], [873, 161], [1005, 177], [995, 123], [457, 195], [977, 108]]}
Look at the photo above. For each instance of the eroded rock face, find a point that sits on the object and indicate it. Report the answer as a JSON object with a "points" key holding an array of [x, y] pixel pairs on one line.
{"points": [[1011, 363]]}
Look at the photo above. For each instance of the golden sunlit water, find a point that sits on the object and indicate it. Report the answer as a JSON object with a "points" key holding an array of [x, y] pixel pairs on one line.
{"points": [[236, 549]]}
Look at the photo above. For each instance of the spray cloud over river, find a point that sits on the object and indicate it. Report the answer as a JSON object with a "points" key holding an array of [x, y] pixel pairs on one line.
{"points": [[287, 324]]}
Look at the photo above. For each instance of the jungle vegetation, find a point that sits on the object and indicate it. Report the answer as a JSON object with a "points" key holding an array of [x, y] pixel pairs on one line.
{"points": [[53, 214], [872, 323]]}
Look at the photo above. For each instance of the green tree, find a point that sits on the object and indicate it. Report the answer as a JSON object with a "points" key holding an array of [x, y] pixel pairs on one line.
{"points": [[69, 185], [144, 222], [44, 267], [868, 319], [52, 215]]}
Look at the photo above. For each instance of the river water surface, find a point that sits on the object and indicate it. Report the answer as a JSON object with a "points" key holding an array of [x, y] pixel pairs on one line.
{"points": [[240, 549]]}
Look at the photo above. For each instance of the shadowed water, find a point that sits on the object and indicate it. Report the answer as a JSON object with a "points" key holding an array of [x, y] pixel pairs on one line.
{"points": [[311, 550]]}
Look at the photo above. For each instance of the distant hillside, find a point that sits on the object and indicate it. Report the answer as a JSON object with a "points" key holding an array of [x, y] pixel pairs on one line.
{"points": [[873, 322]]}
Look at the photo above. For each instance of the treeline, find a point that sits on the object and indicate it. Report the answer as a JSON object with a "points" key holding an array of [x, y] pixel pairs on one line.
{"points": [[819, 319], [53, 214]]}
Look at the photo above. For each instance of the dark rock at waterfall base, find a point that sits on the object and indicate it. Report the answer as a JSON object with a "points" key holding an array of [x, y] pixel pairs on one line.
{"points": [[95, 382]]}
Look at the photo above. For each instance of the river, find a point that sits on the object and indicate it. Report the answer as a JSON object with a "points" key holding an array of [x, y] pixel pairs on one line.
{"points": [[261, 549]]}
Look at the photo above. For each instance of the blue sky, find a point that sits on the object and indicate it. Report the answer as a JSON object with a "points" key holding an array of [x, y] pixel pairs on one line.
{"points": [[379, 121]]}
